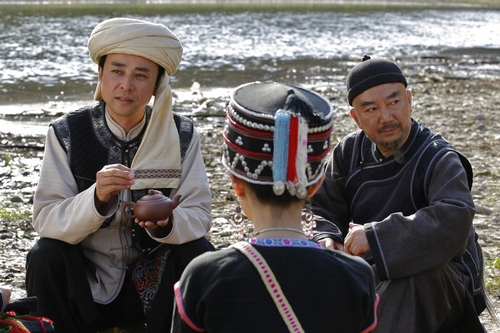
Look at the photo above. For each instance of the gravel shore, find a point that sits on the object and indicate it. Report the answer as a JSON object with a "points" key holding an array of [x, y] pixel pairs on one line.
{"points": [[465, 111]]}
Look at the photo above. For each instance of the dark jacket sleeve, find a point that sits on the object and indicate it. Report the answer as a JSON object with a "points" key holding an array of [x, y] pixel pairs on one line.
{"points": [[407, 245], [329, 205]]}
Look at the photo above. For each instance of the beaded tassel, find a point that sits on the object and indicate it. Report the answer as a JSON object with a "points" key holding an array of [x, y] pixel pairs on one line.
{"points": [[301, 159], [280, 158]]}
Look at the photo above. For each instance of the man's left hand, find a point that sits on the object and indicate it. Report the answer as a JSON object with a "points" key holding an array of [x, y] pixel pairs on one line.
{"points": [[152, 225], [355, 242]]}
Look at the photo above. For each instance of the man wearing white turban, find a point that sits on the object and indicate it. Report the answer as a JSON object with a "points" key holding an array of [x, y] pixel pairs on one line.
{"points": [[95, 268]]}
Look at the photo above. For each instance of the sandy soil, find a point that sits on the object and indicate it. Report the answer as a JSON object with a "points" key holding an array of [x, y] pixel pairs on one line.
{"points": [[466, 112]]}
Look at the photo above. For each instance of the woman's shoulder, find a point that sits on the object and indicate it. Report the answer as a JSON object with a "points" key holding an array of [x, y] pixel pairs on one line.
{"points": [[350, 264], [217, 259]]}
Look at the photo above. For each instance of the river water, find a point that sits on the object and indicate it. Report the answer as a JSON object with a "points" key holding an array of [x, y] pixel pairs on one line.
{"points": [[45, 68], [44, 61]]}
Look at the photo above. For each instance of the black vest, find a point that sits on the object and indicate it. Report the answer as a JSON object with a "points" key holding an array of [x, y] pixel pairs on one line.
{"points": [[90, 145]]}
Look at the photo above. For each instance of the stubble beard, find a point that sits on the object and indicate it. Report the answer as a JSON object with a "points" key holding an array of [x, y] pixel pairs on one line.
{"points": [[394, 146]]}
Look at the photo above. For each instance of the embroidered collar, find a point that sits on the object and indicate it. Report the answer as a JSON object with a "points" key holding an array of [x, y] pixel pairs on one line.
{"points": [[284, 242]]}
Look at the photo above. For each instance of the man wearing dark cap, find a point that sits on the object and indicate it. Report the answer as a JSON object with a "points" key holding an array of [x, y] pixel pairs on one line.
{"points": [[399, 196]]}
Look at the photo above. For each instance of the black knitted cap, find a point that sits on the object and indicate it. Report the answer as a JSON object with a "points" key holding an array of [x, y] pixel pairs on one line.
{"points": [[370, 73]]}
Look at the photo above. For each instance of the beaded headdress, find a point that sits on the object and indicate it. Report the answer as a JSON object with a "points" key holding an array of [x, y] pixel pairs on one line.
{"points": [[277, 134]]}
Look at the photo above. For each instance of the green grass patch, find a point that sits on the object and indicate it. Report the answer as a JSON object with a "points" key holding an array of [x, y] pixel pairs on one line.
{"points": [[6, 160], [493, 282], [10, 214]]}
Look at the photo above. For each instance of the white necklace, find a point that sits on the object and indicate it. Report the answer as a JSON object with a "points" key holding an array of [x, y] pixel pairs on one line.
{"points": [[279, 229]]}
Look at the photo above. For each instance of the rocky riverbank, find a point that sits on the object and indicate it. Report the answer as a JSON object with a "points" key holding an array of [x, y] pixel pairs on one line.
{"points": [[464, 110]]}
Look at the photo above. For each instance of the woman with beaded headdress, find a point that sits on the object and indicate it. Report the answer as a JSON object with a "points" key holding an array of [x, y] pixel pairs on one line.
{"points": [[276, 141]]}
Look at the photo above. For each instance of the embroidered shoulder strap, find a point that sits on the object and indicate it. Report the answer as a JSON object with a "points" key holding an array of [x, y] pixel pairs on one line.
{"points": [[272, 285]]}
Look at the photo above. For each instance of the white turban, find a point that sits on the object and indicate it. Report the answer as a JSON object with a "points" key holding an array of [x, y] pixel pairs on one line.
{"points": [[157, 163], [149, 40]]}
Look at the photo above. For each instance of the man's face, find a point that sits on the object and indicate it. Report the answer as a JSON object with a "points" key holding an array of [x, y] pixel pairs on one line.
{"points": [[127, 85], [384, 114]]}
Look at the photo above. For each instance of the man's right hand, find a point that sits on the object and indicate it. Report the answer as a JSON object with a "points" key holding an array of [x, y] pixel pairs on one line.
{"points": [[110, 180]]}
